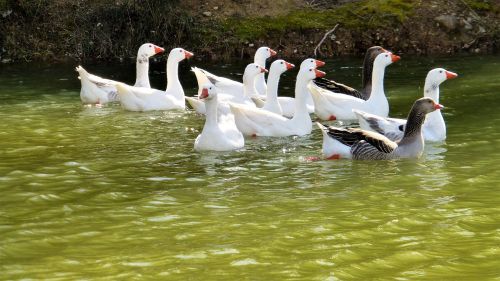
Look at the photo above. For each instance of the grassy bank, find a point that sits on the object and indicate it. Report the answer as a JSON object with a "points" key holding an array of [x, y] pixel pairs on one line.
{"points": [[81, 30]]}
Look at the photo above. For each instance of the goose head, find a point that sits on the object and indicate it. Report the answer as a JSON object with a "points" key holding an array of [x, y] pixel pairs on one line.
{"points": [[280, 66], [311, 63], [427, 105], [252, 70], [263, 53], [374, 51], [208, 92], [438, 76], [179, 54], [386, 58], [309, 74], [147, 50]]}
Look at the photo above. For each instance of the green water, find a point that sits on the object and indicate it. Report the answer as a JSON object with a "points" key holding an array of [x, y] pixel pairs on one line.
{"points": [[104, 194]]}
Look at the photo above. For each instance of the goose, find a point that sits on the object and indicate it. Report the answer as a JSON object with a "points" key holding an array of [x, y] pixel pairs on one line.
{"points": [[354, 143], [225, 85], [434, 128], [258, 122], [277, 68], [366, 89], [143, 99], [219, 132], [252, 71], [333, 106], [97, 90], [287, 104]]}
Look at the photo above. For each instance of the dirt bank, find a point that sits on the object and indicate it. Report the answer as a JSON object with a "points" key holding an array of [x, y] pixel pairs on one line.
{"points": [[224, 29]]}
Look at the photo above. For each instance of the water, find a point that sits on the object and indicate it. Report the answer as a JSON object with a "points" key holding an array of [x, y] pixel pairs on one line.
{"points": [[100, 193]]}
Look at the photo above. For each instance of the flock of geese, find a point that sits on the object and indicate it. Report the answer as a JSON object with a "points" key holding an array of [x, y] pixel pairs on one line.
{"points": [[253, 108]]}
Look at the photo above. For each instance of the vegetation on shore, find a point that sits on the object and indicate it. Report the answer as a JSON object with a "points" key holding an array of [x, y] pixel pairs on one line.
{"points": [[88, 29]]}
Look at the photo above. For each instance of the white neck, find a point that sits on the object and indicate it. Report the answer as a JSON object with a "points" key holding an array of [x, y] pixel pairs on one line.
{"points": [[174, 86], [434, 123], [260, 80], [211, 113], [142, 72], [272, 88], [378, 82], [249, 85], [301, 93]]}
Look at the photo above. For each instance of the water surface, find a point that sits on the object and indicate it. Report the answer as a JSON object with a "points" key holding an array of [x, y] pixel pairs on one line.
{"points": [[101, 193]]}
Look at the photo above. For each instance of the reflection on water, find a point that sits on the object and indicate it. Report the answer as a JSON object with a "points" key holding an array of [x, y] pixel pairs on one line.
{"points": [[103, 193]]}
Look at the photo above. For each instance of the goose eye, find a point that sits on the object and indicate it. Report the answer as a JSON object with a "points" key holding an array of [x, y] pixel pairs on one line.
{"points": [[281, 62], [180, 51], [210, 88], [386, 56], [256, 67], [440, 71], [150, 46], [310, 70]]}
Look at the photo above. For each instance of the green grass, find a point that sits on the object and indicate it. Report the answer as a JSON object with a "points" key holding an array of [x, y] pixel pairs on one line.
{"points": [[363, 14]]}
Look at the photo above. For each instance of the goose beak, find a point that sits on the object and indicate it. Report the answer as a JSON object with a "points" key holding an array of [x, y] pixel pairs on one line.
{"points": [[319, 73], [204, 94], [319, 63], [395, 58], [289, 65], [159, 50], [438, 106], [451, 75], [262, 70], [273, 52], [187, 54]]}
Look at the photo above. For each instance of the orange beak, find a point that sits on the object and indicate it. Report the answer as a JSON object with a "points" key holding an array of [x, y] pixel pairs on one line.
{"points": [[438, 106], [319, 73], [159, 50], [273, 52], [262, 70], [319, 63], [289, 65], [395, 58], [204, 94], [451, 75], [187, 54]]}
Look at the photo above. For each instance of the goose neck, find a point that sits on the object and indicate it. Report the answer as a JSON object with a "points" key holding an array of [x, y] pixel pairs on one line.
{"points": [[301, 93], [142, 72], [211, 112], [431, 90], [414, 124], [378, 81], [172, 75], [249, 85], [272, 85]]}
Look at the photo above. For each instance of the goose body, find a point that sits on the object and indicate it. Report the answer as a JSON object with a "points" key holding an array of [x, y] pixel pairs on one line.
{"points": [[366, 89], [333, 106], [97, 90], [259, 122], [434, 127], [144, 99], [219, 132], [353, 143]]}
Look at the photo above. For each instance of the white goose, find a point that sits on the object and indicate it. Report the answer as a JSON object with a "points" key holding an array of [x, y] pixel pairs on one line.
{"points": [[252, 71], [277, 68], [434, 128], [258, 122], [97, 90], [353, 143], [332, 106], [219, 132], [143, 99]]}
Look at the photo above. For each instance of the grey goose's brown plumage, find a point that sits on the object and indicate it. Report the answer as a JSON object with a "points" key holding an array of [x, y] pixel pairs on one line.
{"points": [[365, 145], [366, 90]]}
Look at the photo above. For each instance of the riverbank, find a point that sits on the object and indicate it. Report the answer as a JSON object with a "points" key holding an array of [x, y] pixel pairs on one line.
{"points": [[112, 30]]}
